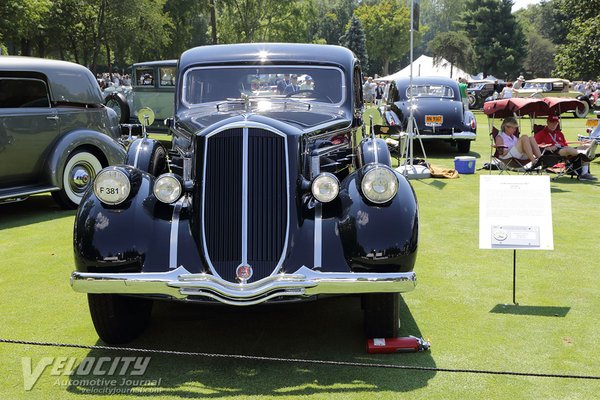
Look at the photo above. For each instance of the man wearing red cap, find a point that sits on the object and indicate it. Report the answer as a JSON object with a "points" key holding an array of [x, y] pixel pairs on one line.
{"points": [[552, 139]]}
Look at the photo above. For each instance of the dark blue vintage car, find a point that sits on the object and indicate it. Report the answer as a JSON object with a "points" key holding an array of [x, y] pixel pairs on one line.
{"points": [[266, 196], [55, 134], [438, 111]]}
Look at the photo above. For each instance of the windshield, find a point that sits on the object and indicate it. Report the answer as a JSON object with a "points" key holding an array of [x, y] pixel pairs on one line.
{"points": [[306, 83], [546, 87], [432, 90]]}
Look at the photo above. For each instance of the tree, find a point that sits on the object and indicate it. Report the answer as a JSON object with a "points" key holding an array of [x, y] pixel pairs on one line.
{"points": [[540, 55], [22, 23], [578, 57], [497, 39], [387, 27], [438, 16], [329, 19], [454, 47], [355, 40]]}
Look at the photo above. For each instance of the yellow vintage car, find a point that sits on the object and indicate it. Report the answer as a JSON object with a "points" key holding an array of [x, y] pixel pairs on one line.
{"points": [[554, 87]]}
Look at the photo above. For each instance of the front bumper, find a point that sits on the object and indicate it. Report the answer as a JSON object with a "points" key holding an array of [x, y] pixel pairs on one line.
{"points": [[466, 135], [179, 284]]}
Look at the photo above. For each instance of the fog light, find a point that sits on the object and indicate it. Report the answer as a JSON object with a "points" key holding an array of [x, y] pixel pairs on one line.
{"points": [[168, 188], [379, 185], [325, 187], [112, 185]]}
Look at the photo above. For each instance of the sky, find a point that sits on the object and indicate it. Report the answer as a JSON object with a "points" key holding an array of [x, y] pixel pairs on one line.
{"points": [[518, 4]]}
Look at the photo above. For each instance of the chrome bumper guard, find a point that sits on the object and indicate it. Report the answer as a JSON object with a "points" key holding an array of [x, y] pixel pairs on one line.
{"points": [[455, 135], [179, 284]]}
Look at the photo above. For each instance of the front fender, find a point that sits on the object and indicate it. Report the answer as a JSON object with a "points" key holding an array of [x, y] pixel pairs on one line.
{"points": [[140, 235], [379, 238], [109, 151]]}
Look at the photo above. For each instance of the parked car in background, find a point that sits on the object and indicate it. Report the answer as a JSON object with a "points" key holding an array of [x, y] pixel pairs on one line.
{"points": [[438, 111], [152, 86], [554, 87], [268, 197], [480, 90], [55, 133]]}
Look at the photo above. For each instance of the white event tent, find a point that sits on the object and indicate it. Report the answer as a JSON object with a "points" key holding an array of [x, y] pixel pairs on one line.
{"points": [[424, 66]]}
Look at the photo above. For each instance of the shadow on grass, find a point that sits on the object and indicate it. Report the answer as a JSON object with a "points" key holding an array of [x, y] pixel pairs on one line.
{"points": [[38, 208], [328, 329], [544, 311]]}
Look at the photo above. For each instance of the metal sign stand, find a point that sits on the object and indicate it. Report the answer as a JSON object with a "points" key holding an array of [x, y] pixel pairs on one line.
{"points": [[409, 169]]}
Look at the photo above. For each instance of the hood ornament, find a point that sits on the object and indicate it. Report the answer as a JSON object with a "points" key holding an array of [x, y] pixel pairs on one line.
{"points": [[243, 272]]}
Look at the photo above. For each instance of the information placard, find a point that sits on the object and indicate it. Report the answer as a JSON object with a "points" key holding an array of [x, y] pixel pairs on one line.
{"points": [[515, 212]]}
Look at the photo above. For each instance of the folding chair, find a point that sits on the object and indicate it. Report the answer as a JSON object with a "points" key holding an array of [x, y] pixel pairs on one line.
{"points": [[507, 165]]}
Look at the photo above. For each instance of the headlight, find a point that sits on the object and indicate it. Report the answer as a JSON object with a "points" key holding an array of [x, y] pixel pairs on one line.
{"points": [[325, 187], [379, 185], [168, 188], [112, 186]]}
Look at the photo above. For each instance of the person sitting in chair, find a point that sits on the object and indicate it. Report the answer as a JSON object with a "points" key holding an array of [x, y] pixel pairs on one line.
{"points": [[552, 139], [518, 147]]}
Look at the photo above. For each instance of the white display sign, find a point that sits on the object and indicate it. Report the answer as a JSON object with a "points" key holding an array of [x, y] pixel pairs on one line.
{"points": [[515, 212]]}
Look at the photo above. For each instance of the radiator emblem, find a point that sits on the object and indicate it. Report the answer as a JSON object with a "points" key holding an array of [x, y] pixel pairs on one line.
{"points": [[243, 273]]}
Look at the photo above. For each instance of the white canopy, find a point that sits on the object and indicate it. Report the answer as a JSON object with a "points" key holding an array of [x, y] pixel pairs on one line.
{"points": [[424, 66]]}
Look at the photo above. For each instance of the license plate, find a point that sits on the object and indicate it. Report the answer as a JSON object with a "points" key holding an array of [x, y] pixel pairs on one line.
{"points": [[591, 123], [434, 120]]}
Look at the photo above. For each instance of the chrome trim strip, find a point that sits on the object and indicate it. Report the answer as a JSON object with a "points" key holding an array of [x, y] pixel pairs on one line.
{"points": [[179, 284], [244, 204], [137, 153], [318, 250], [245, 126], [455, 135], [175, 233]]}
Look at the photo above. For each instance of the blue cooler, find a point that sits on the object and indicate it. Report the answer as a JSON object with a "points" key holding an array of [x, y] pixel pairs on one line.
{"points": [[464, 164]]}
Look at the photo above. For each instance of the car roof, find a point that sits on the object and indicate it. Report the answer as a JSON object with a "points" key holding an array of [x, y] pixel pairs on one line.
{"points": [[169, 63], [419, 80], [266, 53], [547, 80], [65, 79]]}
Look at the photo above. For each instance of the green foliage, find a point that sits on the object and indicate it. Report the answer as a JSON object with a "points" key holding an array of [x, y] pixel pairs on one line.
{"points": [[577, 58], [539, 61], [497, 38], [22, 22], [355, 40], [387, 26], [438, 16], [454, 47], [329, 19]]}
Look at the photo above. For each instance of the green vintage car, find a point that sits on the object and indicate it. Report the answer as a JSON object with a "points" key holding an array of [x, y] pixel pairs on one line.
{"points": [[152, 86], [554, 87]]}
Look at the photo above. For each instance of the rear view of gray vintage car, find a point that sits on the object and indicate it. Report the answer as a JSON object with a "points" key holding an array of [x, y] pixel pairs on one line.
{"points": [[270, 193], [55, 133]]}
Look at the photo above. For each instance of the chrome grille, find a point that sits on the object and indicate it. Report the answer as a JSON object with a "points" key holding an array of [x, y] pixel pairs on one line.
{"points": [[245, 201]]}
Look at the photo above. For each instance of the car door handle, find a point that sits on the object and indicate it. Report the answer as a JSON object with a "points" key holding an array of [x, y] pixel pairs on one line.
{"points": [[53, 117]]}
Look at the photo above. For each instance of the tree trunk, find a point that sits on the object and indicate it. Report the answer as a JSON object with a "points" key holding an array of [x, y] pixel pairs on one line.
{"points": [[108, 63], [213, 21], [99, 36]]}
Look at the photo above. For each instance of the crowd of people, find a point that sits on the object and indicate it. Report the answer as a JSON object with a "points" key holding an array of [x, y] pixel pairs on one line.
{"points": [[107, 79]]}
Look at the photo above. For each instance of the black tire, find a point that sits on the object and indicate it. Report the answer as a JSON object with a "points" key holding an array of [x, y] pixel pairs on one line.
{"points": [[463, 146], [585, 112], [381, 315], [78, 175], [472, 101], [118, 102], [149, 155], [119, 319]]}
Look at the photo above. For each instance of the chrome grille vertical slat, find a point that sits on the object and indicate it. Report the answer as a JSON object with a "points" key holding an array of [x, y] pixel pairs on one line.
{"points": [[252, 218]]}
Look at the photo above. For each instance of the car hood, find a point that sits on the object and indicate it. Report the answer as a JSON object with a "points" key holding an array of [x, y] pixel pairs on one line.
{"points": [[305, 119]]}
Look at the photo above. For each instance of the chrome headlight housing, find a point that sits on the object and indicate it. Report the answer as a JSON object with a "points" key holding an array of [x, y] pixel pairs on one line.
{"points": [[325, 187], [168, 188], [112, 185], [379, 184]]}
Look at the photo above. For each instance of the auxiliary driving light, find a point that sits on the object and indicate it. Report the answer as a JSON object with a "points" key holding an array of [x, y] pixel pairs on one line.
{"points": [[325, 187], [112, 185], [168, 188], [379, 185]]}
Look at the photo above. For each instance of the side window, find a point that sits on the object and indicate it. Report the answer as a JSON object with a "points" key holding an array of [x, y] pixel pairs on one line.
{"points": [[167, 76], [144, 77], [23, 92]]}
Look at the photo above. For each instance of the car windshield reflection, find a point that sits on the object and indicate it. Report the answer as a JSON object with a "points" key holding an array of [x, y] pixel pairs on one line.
{"points": [[430, 91], [308, 84]]}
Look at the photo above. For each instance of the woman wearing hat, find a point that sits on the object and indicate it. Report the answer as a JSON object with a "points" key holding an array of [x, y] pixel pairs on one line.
{"points": [[552, 139], [519, 147]]}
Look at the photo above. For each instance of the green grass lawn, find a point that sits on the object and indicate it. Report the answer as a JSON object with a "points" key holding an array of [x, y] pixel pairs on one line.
{"points": [[461, 304]]}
